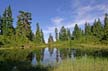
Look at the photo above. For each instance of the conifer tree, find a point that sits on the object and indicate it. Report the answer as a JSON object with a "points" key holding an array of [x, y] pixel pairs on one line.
{"points": [[50, 39], [7, 22], [63, 34], [68, 34], [0, 26], [77, 33], [97, 29], [42, 37], [87, 29], [38, 38], [105, 37], [56, 34], [23, 25]]}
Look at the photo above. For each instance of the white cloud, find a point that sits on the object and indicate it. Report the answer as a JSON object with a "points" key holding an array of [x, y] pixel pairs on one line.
{"points": [[57, 20], [84, 13], [84, 10], [90, 10], [87, 13], [71, 24]]}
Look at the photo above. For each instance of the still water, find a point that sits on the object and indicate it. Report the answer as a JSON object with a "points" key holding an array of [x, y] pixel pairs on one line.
{"points": [[29, 59], [53, 56], [48, 57]]}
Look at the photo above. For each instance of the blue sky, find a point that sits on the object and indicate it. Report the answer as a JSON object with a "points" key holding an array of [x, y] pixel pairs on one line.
{"points": [[56, 13]]}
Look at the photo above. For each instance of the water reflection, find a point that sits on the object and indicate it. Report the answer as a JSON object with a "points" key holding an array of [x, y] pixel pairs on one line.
{"points": [[49, 57], [19, 59], [73, 53], [58, 57], [52, 56], [46, 56], [34, 61]]}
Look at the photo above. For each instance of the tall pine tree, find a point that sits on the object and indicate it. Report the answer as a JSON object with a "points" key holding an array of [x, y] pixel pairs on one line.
{"points": [[42, 37], [77, 33], [87, 29], [7, 22], [105, 37], [38, 38], [63, 34], [50, 39], [23, 28], [68, 34], [0, 26], [56, 34], [97, 29]]}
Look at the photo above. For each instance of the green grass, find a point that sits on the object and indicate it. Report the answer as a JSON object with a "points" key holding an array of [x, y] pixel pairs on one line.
{"points": [[17, 56], [80, 45], [83, 64], [64, 44]]}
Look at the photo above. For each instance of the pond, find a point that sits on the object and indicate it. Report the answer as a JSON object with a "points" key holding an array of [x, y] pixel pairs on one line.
{"points": [[53, 56], [44, 58]]}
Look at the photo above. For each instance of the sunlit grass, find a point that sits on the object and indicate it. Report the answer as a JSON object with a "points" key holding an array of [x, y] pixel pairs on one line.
{"points": [[83, 64], [80, 45]]}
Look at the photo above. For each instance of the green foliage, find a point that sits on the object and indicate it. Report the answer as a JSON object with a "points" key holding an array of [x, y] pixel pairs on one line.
{"points": [[69, 34], [88, 29], [42, 37], [77, 33], [97, 29], [38, 33], [50, 39], [7, 21], [56, 34], [39, 36], [0, 25], [105, 37], [63, 34], [22, 34], [96, 33], [23, 28], [83, 64]]}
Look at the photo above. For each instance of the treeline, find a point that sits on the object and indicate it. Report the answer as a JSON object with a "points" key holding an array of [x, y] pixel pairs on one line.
{"points": [[96, 33], [22, 33]]}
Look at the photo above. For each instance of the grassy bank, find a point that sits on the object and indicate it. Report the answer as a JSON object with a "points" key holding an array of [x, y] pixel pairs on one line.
{"points": [[80, 45], [61, 44], [83, 64], [21, 58]]}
